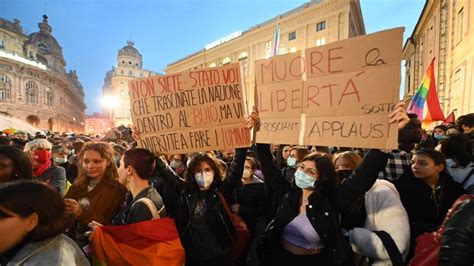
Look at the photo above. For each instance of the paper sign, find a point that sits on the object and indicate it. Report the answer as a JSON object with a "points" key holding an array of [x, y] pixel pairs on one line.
{"points": [[196, 110], [338, 94]]}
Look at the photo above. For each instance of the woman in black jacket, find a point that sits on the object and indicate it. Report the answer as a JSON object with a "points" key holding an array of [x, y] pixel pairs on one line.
{"points": [[306, 227], [205, 228], [427, 192]]}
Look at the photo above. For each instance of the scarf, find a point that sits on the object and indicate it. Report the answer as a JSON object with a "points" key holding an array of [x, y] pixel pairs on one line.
{"points": [[44, 157]]}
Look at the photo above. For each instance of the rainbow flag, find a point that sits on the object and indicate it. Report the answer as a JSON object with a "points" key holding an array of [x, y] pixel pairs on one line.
{"points": [[154, 242], [276, 39], [426, 92]]}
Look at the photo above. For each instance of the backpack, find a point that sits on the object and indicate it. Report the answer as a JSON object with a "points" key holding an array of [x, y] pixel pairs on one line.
{"points": [[428, 244]]}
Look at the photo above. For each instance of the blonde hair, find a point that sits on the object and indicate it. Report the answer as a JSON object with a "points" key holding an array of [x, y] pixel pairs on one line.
{"points": [[351, 157], [37, 143]]}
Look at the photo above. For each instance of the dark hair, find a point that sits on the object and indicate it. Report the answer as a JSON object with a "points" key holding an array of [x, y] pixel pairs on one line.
{"points": [[25, 197], [442, 127], [119, 148], [281, 162], [142, 160], [436, 156], [412, 115], [467, 120], [301, 152], [457, 147], [327, 174], [21, 163], [196, 161]]}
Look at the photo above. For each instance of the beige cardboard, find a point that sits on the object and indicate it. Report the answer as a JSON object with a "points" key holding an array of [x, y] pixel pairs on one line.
{"points": [[195, 110], [280, 68], [354, 82]]}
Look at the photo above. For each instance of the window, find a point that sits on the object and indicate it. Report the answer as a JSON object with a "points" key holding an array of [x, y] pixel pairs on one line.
{"points": [[2, 44], [212, 64], [321, 26], [5, 87], [321, 41], [460, 24], [457, 75], [292, 36], [49, 97], [121, 72], [243, 55], [129, 62], [31, 92], [141, 74], [123, 62], [130, 73], [42, 47], [268, 44], [226, 61]]}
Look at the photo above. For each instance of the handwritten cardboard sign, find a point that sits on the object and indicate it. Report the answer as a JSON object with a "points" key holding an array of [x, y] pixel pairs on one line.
{"points": [[196, 110], [333, 95]]}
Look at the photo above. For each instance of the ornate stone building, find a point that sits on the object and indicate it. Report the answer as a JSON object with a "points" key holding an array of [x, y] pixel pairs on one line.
{"points": [[312, 24], [445, 30], [116, 101], [34, 85]]}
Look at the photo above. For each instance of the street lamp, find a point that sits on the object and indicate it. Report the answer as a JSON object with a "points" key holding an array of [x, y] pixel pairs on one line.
{"points": [[110, 101]]}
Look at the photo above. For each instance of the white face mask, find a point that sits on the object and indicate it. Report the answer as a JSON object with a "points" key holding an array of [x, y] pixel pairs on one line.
{"points": [[246, 173], [204, 179], [60, 160]]}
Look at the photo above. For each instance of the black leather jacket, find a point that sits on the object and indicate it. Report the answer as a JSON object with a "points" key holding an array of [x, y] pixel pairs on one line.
{"points": [[457, 243], [323, 211], [184, 200]]}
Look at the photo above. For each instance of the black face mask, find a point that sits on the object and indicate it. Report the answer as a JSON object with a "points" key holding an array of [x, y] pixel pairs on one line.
{"points": [[343, 174]]}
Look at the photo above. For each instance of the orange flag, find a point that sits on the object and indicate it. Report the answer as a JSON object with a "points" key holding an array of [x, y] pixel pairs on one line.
{"points": [[154, 242]]}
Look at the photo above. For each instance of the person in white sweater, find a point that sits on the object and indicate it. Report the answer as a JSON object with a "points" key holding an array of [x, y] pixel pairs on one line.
{"points": [[383, 212]]}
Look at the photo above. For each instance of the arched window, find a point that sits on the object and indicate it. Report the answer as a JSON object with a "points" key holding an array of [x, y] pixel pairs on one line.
{"points": [[5, 87], [31, 92], [49, 97]]}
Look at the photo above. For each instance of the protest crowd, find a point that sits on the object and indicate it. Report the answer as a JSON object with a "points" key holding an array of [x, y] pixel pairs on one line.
{"points": [[71, 199]]}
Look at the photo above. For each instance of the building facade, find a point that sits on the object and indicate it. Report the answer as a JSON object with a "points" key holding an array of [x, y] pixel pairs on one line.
{"points": [[445, 31], [116, 96], [34, 85], [97, 123], [311, 24]]}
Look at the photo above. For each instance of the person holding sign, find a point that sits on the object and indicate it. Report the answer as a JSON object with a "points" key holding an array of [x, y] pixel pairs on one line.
{"points": [[306, 228], [205, 228]]}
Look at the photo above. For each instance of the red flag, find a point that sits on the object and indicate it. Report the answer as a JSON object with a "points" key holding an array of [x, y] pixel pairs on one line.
{"points": [[450, 119]]}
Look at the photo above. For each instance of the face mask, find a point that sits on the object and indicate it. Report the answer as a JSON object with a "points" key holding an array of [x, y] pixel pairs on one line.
{"points": [[303, 180], [343, 174], [175, 164], [204, 179], [438, 136], [291, 162], [42, 156], [60, 160], [246, 173]]}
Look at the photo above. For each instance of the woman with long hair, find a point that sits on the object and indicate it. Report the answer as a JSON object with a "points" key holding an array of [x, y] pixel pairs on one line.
{"points": [[96, 194], [380, 209], [427, 192], [32, 222], [306, 229], [14, 164], [205, 228]]}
